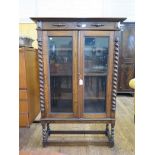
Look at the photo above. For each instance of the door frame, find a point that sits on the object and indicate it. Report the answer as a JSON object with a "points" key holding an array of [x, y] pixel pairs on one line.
{"points": [[82, 34], [48, 113]]}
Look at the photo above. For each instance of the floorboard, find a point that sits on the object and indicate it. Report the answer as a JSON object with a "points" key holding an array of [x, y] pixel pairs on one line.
{"points": [[30, 138]]}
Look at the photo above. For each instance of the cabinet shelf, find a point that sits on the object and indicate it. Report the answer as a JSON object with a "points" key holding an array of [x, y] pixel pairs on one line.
{"points": [[94, 98], [62, 98], [96, 49], [95, 74], [86, 74], [60, 74], [86, 98], [63, 49]]}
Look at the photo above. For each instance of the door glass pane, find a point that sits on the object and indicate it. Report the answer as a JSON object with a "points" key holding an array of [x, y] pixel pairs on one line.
{"points": [[60, 66], [95, 74]]}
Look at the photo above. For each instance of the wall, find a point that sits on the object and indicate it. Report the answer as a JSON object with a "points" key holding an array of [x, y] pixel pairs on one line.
{"points": [[29, 30], [70, 8], [76, 8]]}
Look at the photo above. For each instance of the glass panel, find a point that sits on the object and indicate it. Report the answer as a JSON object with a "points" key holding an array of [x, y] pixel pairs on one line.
{"points": [[95, 74], [60, 62]]}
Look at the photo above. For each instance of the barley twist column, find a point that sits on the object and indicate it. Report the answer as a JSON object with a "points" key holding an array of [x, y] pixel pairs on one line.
{"points": [[115, 74]]}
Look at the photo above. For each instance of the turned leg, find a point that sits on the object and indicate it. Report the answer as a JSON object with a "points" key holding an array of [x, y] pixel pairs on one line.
{"points": [[107, 129], [48, 128], [44, 137], [112, 135]]}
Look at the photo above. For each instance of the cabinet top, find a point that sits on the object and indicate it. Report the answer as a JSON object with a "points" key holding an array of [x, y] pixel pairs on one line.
{"points": [[83, 19]]}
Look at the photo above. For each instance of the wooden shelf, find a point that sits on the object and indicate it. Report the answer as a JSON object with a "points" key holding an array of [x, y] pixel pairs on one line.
{"points": [[89, 48], [86, 98], [62, 98], [62, 74], [63, 49], [94, 98], [86, 74], [95, 74]]}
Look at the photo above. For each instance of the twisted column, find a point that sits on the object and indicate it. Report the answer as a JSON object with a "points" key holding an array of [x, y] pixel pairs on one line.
{"points": [[44, 136], [112, 136], [41, 75], [115, 74]]}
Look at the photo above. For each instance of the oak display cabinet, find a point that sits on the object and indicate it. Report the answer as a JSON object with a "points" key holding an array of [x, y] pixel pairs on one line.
{"points": [[78, 65]]}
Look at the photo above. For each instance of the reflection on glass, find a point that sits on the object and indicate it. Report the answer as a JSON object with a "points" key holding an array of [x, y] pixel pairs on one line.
{"points": [[60, 62], [95, 73]]}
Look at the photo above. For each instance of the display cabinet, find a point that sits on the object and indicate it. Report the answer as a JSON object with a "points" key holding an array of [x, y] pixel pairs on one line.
{"points": [[78, 64]]}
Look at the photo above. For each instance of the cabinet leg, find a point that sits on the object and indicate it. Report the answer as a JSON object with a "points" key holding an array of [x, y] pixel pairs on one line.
{"points": [[44, 135], [48, 129], [107, 129], [112, 135]]}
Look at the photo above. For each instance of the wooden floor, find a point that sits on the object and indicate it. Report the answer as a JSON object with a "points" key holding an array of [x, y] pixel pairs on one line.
{"points": [[30, 138]]}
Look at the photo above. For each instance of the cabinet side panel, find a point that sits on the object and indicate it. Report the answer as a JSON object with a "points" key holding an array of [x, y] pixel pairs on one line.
{"points": [[110, 73], [41, 74], [46, 73]]}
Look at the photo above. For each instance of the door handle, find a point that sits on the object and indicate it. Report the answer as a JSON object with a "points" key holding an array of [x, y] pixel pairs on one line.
{"points": [[59, 25], [97, 25]]}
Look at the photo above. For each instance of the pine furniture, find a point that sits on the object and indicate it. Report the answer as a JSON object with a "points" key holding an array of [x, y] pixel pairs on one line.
{"points": [[29, 106]]}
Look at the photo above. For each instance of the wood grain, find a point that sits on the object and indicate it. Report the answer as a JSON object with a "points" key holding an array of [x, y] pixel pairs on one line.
{"points": [[48, 93], [28, 86], [22, 69], [126, 58], [109, 75], [30, 138], [73, 27]]}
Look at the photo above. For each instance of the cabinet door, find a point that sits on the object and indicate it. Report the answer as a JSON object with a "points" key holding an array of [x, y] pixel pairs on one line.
{"points": [[61, 73], [95, 73]]}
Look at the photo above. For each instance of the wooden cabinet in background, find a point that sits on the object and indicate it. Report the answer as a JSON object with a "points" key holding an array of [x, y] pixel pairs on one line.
{"points": [[29, 106], [126, 58]]}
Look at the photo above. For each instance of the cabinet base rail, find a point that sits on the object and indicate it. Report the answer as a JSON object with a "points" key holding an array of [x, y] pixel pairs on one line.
{"points": [[46, 132]]}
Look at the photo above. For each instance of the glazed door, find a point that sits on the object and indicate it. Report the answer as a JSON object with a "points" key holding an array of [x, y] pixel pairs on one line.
{"points": [[62, 74], [95, 73]]}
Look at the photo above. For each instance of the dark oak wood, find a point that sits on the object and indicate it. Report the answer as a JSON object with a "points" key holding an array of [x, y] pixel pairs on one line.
{"points": [[78, 29], [82, 19], [47, 75], [28, 86], [109, 76], [78, 143], [76, 132], [126, 58], [115, 74], [49, 24], [79, 26], [77, 120]]}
